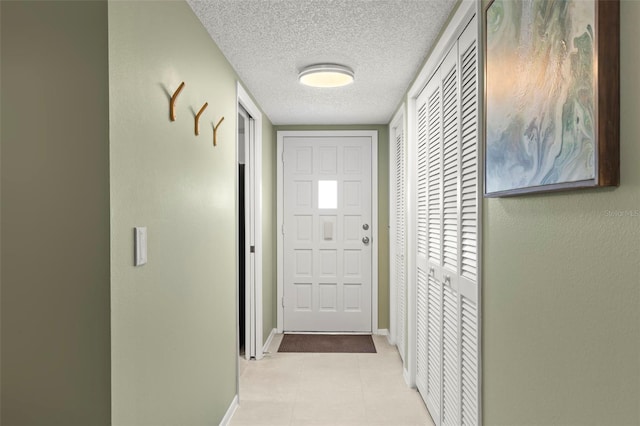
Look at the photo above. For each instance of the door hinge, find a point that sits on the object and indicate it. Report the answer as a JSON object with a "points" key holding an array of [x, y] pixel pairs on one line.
{"points": [[283, 229], [282, 301], [282, 157], [252, 249]]}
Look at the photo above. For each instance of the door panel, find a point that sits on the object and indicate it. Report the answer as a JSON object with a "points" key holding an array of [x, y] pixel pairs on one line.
{"points": [[450, 358], [469, 363], [327, 251], [422, 330], [434, 347]]}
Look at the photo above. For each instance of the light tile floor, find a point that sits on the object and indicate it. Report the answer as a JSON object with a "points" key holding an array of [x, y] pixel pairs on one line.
{"points": [[328, 389]]}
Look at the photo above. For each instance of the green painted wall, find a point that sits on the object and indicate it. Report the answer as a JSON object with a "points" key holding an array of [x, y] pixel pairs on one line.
{"points": [[173, 319], [383, 209], [561, 299], [269, 226], [55, 214]]}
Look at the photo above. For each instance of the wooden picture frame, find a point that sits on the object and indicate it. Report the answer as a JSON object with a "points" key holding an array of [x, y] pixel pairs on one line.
{"points": [[551, 95]]}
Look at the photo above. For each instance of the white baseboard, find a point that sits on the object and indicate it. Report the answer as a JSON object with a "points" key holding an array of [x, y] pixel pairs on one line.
{"points": [[407, 379], [391, 339], [382, 332], [230, 411], [265, 348], [333, 333]]}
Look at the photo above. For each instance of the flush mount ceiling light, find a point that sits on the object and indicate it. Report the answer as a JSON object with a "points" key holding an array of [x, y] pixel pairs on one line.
{"points": [[326, 75]]}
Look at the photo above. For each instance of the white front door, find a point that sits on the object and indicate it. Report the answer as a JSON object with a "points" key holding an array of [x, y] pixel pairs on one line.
{"points": [[327, 227]]}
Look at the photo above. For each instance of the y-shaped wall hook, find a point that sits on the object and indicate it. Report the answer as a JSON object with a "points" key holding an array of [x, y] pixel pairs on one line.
{"points": [[172, 103], [215, 131], [198, 117]]}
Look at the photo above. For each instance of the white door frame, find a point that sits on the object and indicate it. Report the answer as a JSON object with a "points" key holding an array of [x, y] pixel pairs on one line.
{"points": [[374, 214], [253, 231]]}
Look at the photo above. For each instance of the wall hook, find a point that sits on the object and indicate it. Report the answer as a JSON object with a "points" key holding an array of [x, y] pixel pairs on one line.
{"points": [[215, 131], [198, 117], [172, 103]]}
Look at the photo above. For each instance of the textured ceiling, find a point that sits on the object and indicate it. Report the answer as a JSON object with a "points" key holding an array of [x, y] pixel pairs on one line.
{"points": [[269, 41]]}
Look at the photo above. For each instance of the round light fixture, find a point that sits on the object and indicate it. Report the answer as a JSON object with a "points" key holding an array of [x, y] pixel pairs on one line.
{"points": [[326, 75]]}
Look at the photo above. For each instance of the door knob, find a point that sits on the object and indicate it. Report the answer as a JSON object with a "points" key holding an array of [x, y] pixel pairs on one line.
{"points": [[365, 226], [365, 240]]}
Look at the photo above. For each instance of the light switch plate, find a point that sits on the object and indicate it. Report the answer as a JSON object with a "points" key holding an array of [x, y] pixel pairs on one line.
{"points": [[140, 245]]}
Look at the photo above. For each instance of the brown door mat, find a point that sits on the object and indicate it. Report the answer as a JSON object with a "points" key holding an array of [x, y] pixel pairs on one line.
{"points": [[327, 343]]}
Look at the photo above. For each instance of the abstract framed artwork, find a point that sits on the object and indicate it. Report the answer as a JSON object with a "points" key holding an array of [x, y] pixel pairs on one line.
{"points": [[552, 95]]}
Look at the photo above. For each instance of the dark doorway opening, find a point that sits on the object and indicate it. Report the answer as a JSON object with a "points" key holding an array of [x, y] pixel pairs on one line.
{"points": [[242, 259]]}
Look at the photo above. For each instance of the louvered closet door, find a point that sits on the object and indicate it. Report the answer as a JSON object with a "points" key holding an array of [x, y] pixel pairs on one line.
{"points": [[445, 268], [434, 249], [447, 249], [421, 239], [442, 227], [429, 201], [469, 226], [399, 238]]}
